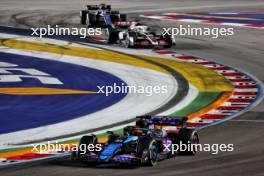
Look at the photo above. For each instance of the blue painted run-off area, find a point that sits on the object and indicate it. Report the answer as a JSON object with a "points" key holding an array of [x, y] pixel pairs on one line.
{"points": [[21, 112]]}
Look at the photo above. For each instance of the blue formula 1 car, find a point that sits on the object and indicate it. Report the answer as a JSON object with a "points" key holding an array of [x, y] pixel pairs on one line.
{"points": [[149, 141], [100, 16]]}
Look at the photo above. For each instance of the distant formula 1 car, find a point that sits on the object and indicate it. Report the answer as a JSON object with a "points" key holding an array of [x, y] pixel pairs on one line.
{"points": [[142, 144], [138, 36], [100, 16]]}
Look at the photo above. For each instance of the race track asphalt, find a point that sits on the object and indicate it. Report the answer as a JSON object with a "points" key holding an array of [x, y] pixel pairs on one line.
{"points": [[244, 50]]}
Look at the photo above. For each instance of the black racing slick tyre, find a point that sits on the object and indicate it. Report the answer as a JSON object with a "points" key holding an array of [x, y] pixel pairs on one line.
{"points": [[83, 16], [91, 20], [167, 38], [113, 36], [147, 150], [83, 147], [188, 137], [85, 141]]}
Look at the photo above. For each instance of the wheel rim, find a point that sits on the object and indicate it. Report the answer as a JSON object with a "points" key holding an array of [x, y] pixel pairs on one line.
{"points": [[154, 152]]}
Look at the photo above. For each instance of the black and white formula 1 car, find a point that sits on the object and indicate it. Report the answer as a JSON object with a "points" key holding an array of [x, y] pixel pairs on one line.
{"points": [[100, 16], [138, 36], [149, 141]]}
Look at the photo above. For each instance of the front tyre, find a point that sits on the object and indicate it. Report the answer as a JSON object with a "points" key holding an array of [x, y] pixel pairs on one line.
{"points": [[113, 36], [147, 150], [83, 16]]}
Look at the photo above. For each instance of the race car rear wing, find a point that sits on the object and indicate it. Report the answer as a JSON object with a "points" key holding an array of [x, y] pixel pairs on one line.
{"points": [[98, 7], [165, 120]]}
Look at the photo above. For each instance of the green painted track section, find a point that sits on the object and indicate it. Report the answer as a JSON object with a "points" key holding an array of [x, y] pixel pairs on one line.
{"points": [[202, 100]]}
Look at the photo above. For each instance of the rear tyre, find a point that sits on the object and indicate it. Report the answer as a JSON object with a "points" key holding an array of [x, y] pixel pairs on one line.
{"points": [[147, 150], [113, 36], [169, 39], [83, 16], [189, 137], [85, 141], [92, 20], [83, 147]]}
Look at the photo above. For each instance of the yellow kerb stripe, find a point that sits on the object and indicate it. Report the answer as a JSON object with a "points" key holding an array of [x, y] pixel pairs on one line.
{"points": [[41, 91]]}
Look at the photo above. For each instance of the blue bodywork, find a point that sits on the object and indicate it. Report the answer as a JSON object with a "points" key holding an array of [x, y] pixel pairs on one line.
{"points": [[111, 149], [130, 138], [107, 18]]}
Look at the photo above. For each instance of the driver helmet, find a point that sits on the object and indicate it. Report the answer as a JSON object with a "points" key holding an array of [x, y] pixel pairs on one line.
{"points": [[141, 29]]}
